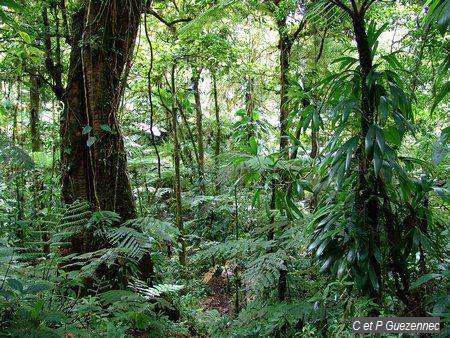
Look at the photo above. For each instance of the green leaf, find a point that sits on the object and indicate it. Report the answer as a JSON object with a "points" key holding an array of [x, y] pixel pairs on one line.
{"points": [[36, 288], [212, 14], [86, 129], [440, 96], [256, 198], [322, 247], [11, 4], [368, 141], [325, 266], [91, 140], [113, 296], [106, 128], [348, 159], [443, 193], [383, 108], [299, 190], [15, 284], [377, 161], [373, 278], [424, 279], [393, 136], [380, 140], [25, 36], [3, 16]]}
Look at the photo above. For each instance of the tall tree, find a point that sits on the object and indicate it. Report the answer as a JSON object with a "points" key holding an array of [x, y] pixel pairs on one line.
{"points": [[199, 125], [34, 113], [285, 43], [93, 158], [218, 131], [176, 176]]}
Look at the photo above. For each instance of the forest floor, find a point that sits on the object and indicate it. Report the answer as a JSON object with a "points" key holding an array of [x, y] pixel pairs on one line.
{"points": [[219, 286]]}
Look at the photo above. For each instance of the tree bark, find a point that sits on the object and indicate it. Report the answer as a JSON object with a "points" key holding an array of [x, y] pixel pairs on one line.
{"points": [[36, 143], [176, 177], [34, 113], [314, 145], [250, 107], [16, 111], [367, 205], [199, 125], [218, 132], [284, 46], [93, 157]]}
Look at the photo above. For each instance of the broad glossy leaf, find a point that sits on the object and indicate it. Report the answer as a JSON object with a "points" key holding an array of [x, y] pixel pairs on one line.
{"points": [[86, 129], [91, 140], [424, 279]]}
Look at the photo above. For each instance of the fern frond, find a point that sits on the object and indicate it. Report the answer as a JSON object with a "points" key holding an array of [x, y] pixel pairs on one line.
{"points": [[153, 292]]}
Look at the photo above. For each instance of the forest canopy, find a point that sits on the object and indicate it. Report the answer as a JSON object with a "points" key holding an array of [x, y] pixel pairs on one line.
{"points": [[219, 168]]}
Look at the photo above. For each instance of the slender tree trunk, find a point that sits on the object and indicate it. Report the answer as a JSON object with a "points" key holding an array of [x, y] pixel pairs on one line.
{"points": [[20, 200], [367, 205], [18, 180], [16, 111], [400, 271], [93, 157], [36, 143], [176, 177], [284, 46], [218, 133], [250, 107], [199, 125], [34, 113], [314, 146], [150, 100]]}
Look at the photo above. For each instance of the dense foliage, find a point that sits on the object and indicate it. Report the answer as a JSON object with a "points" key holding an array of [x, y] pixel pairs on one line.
{"points": [[222, 168]]}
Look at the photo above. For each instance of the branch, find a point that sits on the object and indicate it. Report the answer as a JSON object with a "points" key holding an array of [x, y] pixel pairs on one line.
{"points": [[180, 20], [322, 41], [298, 30], [366, 5], [149, 87], [59, 92], [62, 6], [341, 5], [169, 24], [159, 17], [53, 70], [354, 6]]}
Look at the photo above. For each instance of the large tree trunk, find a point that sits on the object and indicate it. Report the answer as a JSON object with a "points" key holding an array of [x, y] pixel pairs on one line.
{"points": [[92, 152]]}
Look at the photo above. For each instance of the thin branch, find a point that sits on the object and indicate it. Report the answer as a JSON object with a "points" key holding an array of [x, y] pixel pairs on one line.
{"points": [[322, 41], [354, 6], [341, 5], [366, 5], [158, 157], [53, 70], [159, 17], [298, 30], [169, 24]]}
